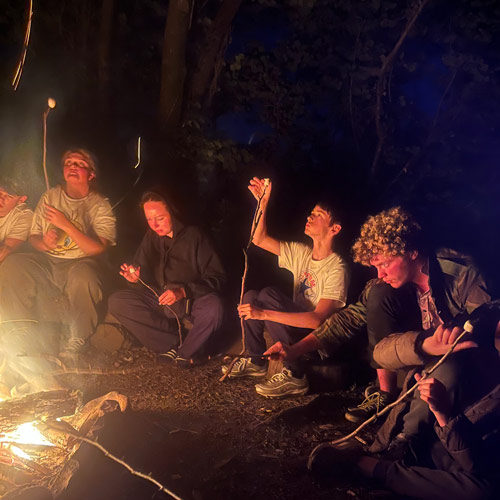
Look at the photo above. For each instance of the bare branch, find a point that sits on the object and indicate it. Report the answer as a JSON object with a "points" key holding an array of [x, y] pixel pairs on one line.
{"points": [[381, 84]]}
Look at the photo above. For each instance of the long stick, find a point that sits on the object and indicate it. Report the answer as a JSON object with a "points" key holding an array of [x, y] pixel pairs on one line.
{"points": [[20, 65], [468, 328], [255, 222], [112, 457]]}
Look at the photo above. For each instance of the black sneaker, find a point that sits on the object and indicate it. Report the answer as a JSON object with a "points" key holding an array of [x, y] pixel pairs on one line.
{"points": [[335, 461], [372, 404], [170, 356]]}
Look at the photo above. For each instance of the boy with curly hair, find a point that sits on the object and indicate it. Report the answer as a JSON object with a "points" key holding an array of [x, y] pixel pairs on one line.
{"points": [[416, 289]]}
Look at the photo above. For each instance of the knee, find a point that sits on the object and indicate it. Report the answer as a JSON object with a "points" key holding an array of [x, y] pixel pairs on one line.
{"points": [[212, 306], [380, 296], [268, 295], [250, 297], [11, 267], [83, 275], [117, 300]]}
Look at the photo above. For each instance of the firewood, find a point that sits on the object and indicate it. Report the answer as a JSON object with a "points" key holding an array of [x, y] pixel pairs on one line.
{"points": [[37, 406]]}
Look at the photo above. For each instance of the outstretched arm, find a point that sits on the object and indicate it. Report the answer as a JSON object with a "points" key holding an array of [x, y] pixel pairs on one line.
{"points": [[311, 319], [258, 188]]}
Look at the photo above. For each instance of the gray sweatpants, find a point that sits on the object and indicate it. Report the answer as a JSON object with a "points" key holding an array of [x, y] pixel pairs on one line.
{"points": [[31, 283]]}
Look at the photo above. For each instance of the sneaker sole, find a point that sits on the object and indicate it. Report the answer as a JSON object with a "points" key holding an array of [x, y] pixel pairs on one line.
{"points": [[244, 375], [295, 392], [355, 420]]}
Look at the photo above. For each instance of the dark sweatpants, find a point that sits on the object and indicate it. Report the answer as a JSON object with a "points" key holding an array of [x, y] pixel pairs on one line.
{"points": [[446, 481], [468, 376], [275, 300], [155, 327], [391, 310]]}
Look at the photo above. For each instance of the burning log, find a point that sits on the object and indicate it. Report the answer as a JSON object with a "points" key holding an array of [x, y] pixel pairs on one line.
{"points": [[58, 424], [36, 407]]}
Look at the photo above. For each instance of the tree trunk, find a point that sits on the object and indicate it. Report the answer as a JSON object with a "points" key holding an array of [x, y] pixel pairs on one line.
{"points": [[204, 81], [106, 23], [173, 64]]}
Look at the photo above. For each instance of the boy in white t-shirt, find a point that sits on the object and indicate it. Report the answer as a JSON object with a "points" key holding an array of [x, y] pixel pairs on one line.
{"points": [[320, 282], [15, 217]]}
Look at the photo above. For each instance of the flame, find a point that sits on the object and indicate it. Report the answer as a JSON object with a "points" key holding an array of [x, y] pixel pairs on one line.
{"points": [[24, 434]]}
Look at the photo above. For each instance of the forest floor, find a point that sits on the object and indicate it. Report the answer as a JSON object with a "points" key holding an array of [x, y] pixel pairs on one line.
{"points": [[205, 439]]}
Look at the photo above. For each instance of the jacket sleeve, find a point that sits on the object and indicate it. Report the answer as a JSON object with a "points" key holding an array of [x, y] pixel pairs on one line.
{"points": [[211, 275], [345, 324], [398, 351], [473, 289]]}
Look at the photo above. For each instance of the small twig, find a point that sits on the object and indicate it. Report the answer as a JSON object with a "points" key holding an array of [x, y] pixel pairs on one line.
{"points": [[112, 457], [255, 222], [18, 321], [468, 328], [98, 371], [20, 65]]}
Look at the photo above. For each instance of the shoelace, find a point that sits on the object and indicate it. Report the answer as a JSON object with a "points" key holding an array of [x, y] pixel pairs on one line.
{"points": [[373, 400], [278, 377], [75, 343]]}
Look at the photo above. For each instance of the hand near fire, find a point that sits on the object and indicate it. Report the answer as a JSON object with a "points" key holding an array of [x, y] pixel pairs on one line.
{"points": [[169, 297], [130, 273], [56, 217], [280, 352], [248, 311], [258, 186], [433, 392], [443, 338], [50, 238]]}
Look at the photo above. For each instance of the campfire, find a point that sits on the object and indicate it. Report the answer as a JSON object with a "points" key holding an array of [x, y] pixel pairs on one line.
{"points": [[41, 432]]}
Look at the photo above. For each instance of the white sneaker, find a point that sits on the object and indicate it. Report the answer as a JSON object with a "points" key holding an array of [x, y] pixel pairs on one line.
{"points": [[245, 368], [283, 384]]}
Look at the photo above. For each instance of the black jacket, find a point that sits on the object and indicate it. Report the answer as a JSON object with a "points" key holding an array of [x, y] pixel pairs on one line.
{"points": [[187, 259]]}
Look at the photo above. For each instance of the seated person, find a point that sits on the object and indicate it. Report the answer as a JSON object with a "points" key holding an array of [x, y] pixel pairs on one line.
{"points": [[72, 226], [453, 451], [15, 216], [320, 285], [416, 289], [179, 263]]}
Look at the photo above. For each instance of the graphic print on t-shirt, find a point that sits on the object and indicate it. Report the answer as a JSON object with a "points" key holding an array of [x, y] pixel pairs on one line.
{"points": [[307, 288], [64, 241]]}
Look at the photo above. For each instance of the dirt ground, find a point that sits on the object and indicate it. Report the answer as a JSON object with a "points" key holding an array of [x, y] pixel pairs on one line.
{"points": [[204, 439]]}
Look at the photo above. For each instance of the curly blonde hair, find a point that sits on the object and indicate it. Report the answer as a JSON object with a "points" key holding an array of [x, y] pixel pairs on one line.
{"points": [[391, 232]]}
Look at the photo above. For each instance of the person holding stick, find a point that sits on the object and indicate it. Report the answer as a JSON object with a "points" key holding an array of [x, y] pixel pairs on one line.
{"points": [[72, 225], [453, 452], [15, 216], [176, 273], [416, 289], [320, 288]]}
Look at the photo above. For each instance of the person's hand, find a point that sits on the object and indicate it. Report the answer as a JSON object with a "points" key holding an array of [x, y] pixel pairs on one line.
{"points": [[258, 187], [50, 238], [248, 311], [56, 217], [130, 272], [443, 338], [433, 392], [172, 296], [280, 352]]}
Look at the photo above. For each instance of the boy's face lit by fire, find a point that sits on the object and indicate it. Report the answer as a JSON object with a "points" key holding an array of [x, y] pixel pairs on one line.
{"points": [[76, 169], [396, 270], [9, 201], [159, 218]]}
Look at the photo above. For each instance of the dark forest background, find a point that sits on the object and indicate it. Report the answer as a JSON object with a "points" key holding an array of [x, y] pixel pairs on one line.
{"points": [[370, 103]]}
